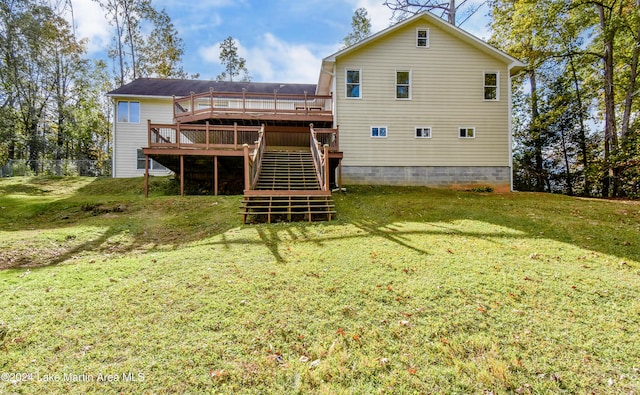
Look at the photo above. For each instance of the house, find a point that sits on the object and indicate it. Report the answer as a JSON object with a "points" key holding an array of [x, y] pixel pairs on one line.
{"points": [[419, 103]]}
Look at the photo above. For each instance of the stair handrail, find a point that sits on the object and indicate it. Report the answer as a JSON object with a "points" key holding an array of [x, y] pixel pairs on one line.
{"points": [[253, 161], [320, 160]]}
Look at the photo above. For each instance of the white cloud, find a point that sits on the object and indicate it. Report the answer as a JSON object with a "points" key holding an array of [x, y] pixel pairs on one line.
{"points": [[91, 23], [379, 13], [275, 60]]}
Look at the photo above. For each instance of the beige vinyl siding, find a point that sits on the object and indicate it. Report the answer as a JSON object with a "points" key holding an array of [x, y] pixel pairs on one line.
{"points": [[129, 137], [447, 85]]}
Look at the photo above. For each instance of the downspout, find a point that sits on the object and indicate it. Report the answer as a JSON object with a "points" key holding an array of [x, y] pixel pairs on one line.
{"points": [[113, 146], [510, 125]]}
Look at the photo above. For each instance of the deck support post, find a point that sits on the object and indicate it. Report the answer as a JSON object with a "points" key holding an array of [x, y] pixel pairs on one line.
{"points": [[215, 175], [146, 176], [339, 173], [247, 181], [181, 175], [326, 167]]}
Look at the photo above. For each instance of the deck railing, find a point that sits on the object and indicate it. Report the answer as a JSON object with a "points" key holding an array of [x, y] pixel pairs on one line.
{"points": [[212, 102], [255, 160], [201, 136], [320, 153]]}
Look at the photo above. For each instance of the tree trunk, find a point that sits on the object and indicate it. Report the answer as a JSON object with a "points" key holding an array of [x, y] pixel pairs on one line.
{"points": [[610, 133], [536, 134], [582, 134]]}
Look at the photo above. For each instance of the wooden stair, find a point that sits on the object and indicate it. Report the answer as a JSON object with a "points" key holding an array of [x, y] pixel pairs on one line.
{"points": [[287, 190]]}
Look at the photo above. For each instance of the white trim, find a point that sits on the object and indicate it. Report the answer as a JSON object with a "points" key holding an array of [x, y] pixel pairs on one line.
{"points": [[415, 129], [346, 72], [386, 132], [467, 128], [484, 86], [428, 38], [395, 87]]}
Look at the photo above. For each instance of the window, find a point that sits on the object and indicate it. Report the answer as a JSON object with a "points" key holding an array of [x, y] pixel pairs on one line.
{"points": [[153, 165], [467, 133], [491, 86], [403, 84], [129, 112], [423, 133], [422, 38], [353, 84], [378, 131]]}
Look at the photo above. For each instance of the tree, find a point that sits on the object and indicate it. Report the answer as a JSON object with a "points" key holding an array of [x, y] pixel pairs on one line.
{"points": [[449, 8], [136, 54], [361, 28], [234, 64], [163, 51]]}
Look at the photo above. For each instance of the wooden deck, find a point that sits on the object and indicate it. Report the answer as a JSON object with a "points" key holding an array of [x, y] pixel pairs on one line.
{"points": [[261, 107]]}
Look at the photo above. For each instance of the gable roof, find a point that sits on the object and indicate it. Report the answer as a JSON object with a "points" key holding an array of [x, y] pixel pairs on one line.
{"points": [[161, 87], [326, 70]]}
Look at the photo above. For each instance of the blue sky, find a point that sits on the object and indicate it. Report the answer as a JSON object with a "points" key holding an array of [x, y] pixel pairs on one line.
{"points": [[282, 40]]}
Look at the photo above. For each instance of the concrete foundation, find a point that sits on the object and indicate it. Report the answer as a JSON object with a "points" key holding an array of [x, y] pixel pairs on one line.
{"points": [[456, 177]]}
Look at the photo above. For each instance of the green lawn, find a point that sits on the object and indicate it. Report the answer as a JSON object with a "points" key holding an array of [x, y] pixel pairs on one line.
{"points": [[409, 290]]}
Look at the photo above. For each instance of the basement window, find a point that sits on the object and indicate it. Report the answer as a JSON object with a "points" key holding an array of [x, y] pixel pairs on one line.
{"points": [[467, 133], [379, 131], [153, 165], [423, 132]]}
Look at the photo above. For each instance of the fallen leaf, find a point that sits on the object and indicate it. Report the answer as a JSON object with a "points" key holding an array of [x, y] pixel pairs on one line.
{"points": [[356, 337], [314, 364], [340, 331], [403, 323], [450, 251], [412, 371], [304, 359]]}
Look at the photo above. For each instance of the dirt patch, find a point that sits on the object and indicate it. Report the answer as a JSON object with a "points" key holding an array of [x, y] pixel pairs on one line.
{"points": [[99, 209]]}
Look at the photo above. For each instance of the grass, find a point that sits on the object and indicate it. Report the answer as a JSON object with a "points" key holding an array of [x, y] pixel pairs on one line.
{"points": [[409, 290]]}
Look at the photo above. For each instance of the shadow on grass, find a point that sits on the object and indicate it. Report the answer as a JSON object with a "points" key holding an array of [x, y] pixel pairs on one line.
{"points": [[124, 220], [162, 221]]}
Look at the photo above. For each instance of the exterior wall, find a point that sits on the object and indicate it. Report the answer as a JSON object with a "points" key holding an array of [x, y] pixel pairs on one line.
{"points": [[497, 177], [447, 81], [129, 137]]}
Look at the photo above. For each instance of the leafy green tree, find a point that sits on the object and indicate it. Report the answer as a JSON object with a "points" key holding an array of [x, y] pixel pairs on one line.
{"points": [[234, 64], [361, 28], [164, 48]]}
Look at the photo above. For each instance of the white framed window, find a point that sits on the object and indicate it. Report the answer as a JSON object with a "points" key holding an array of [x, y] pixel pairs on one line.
{"points": [[353, 83], [128, 112], [403, 84], [379, 131], [491, 85], [153, 165], [423, 132], [467, 133], [422, 38]]}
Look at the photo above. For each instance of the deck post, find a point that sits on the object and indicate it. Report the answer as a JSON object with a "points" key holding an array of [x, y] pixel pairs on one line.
{"points": [[146, 175], [275, 101], [149, 133], [206, 137], [192, 108], [339, 173], [181, 175], [326, 167], [235, 135], [244, 108], [215, 175], [178, 134], [247, 181]]}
